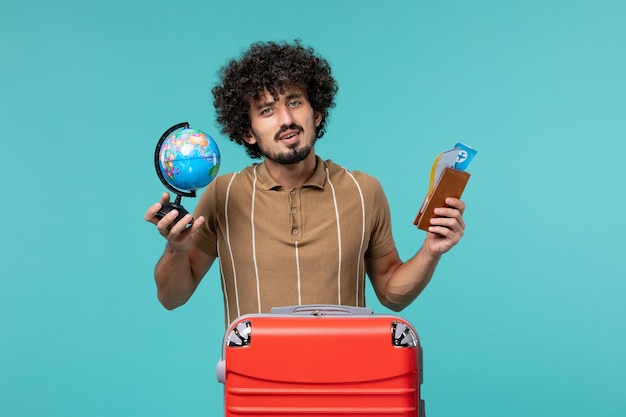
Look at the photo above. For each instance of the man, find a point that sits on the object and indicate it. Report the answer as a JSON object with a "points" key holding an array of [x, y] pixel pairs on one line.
{"points": [[293, 229]]}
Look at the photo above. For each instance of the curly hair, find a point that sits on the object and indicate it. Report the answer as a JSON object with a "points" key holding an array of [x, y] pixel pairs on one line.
{"points": [[275, 67]]}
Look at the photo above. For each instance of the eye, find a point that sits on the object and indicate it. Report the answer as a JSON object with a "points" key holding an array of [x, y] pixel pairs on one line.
{"points": [[266, 111], [295, 103]]}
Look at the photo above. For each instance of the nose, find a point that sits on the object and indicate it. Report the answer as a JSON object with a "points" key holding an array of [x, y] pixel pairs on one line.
{"points": [[284, 116]]}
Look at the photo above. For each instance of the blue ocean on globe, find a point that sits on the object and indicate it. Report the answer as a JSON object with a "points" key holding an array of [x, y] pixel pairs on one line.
{"points": [[189, 159]]}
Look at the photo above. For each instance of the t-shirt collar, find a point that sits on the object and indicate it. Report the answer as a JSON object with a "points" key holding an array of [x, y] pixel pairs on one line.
{"points": [[318, 179]]}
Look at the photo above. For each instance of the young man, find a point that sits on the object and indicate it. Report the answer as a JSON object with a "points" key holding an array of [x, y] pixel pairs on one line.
{"points": [[293, 229]]}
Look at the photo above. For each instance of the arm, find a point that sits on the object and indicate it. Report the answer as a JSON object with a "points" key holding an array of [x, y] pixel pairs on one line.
{"points": [[398, 283], [182, 266]]}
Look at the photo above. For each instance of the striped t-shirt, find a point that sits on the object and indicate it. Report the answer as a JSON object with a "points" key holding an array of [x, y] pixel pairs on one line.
{"points": [[279, 247]]}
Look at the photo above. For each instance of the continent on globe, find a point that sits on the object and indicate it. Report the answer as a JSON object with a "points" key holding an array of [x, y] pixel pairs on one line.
{"points": [[189, 159]]}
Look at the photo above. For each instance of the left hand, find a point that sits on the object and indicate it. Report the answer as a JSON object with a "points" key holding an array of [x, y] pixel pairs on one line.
{"points": [[446, 230]]}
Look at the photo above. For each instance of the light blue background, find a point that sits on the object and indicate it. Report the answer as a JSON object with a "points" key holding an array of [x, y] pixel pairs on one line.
{"points": [[524, 317]]}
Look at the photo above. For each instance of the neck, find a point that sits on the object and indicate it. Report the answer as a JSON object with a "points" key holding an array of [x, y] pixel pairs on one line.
{"points": [[292, 175]]}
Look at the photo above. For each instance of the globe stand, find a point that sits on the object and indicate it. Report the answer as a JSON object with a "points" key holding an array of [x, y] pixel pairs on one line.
{"points": [[179, 193]]}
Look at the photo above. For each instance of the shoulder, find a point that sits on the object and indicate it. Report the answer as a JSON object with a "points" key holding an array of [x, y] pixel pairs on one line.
{"points": [[364, 180], [224, 184], [223, 181]]}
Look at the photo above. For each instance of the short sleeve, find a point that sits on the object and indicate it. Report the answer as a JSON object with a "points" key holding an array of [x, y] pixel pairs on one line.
{"points": [[205, 238], [381, 239]]}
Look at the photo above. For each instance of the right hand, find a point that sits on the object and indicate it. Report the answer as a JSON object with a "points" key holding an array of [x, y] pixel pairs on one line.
{"points": [[178, 235]]}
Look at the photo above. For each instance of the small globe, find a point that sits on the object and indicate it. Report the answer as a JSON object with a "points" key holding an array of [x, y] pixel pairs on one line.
{"points": [[189, 159]]}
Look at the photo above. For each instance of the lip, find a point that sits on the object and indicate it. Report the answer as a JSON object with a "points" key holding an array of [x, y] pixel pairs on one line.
{"points": [[289, 136]]}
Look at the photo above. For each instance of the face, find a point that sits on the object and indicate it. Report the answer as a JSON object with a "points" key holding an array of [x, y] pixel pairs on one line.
{"points": [[284, 129]]}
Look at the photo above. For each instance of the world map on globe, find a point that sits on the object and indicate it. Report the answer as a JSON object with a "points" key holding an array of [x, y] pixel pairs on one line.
{"points": [[189, 159]]}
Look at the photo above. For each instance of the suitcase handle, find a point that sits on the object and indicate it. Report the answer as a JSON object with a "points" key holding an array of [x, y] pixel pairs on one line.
{"points": [[322, 310]]}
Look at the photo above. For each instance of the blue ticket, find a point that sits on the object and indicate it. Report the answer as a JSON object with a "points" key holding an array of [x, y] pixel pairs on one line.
{"points": [[466, 154]]}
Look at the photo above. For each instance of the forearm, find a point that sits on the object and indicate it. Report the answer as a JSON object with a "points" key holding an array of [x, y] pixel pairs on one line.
{"points": [[404, 282], [174, 277]]}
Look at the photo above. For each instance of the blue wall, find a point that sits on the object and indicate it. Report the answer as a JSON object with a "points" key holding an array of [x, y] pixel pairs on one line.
{"points": [[524, 317]]}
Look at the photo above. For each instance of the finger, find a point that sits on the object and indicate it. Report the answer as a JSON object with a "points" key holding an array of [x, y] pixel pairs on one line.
{"points": [[190, 225], [461, 220], [150, 215], [456, 203], [197, 223], [440, 231], [179, 227], [448, 212], [451, 234], [166, 223], [165, 198], [453, 214], [447, 222], [453, 224], [177, 234]]}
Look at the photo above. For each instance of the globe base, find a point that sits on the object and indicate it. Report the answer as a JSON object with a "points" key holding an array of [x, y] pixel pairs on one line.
{"points": [[173, 206]]}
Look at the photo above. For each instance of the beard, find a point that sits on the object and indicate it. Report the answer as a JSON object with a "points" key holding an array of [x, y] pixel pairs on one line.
{"points": [[293, 155]]}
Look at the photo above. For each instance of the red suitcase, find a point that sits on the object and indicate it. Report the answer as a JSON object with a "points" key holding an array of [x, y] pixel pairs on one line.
{"points": [[330, 361]]}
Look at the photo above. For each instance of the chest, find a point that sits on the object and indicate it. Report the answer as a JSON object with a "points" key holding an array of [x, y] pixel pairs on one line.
{"points": [[301, 215]]}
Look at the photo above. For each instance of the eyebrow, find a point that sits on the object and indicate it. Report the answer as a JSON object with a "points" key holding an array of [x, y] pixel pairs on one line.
{"points": [[264, 104], [288, 97]]}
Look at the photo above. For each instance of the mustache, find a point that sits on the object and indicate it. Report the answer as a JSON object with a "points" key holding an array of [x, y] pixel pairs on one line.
{"points": [[284, 128]]}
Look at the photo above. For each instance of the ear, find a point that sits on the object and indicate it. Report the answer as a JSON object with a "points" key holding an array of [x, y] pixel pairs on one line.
{"points": [[249, 138], [318, 118]]}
